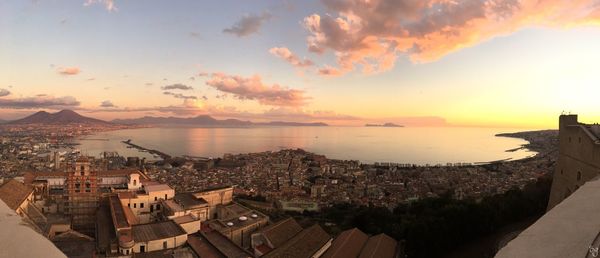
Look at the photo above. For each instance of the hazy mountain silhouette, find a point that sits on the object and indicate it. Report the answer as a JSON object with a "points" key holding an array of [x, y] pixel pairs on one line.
{"points": [[62, 117], [205, 120]]}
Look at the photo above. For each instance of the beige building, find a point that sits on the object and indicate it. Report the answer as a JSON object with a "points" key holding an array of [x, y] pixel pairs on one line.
{"points": [[215, 197], [145, 203], [186, 204], [578, 158], [238, 223]]}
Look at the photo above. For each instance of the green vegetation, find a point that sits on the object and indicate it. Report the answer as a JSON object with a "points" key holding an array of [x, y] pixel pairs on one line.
{"points": [[434, 226]]}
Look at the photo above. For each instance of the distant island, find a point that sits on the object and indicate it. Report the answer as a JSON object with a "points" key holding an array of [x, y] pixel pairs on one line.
{"points": [[384, 125]]}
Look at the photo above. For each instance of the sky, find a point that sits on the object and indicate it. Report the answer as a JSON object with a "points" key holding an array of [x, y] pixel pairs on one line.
{"points": [[489, 63]]}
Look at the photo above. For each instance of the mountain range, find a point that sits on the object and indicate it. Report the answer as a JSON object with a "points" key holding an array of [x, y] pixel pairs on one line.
{"points": [[61, 117], [72, 117], [205, 120]]}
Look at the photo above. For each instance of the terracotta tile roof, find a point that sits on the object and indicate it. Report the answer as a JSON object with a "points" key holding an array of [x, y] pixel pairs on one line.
{"points": [[263, 249], [304, 244], [14, 193], [379, 246], [225, 245], [348, 244], [282, 231], [118, 213], [203, 248]]}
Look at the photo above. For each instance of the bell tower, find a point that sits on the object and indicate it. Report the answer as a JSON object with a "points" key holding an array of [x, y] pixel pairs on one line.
{"points": [[82, 191]]}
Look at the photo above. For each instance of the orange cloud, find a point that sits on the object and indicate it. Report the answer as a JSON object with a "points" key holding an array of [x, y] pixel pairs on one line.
{"points": [[372, 34], [252, 88], [287, 55], [69, 70]]}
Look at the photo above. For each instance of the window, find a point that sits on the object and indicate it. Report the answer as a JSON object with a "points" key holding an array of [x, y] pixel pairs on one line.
{"points": [[155, 198], [141, 205], [134, 182], [127, 252], [578, 175], [165, 196], [129, 205], [165, 245], [134, 205], [158, 207]]}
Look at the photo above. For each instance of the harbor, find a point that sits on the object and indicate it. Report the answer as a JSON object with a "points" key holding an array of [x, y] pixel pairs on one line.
{"points": [[155, 153]]}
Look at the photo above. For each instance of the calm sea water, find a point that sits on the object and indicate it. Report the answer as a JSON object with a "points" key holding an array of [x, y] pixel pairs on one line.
{"points": [[415, 145]]}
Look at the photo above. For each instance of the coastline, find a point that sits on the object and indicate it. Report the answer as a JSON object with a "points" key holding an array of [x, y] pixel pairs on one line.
{"points": [[539, 142]]}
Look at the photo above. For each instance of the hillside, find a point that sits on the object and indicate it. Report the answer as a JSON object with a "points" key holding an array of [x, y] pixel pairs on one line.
{"points": [[62, 117]]}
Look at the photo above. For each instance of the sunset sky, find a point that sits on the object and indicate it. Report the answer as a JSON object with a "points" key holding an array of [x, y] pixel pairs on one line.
{"points": [[504, 63]]}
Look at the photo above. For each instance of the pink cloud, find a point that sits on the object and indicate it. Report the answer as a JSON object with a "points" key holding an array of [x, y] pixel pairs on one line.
{"points": [[69, 70], [287, 55], [371, 35], [252, 88], [330, 71]]}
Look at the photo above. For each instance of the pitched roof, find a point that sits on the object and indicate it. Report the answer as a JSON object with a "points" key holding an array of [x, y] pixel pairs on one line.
{"points": [[304, 244], [156, 231], [282, 231], [14, 193], [379, 246], [225, 245], [189, 201], [348, 244], [203, 248], [157, 187]]}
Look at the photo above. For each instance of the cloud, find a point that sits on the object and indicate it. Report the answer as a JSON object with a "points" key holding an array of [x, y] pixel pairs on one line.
{"points": [[108, 4], [177, 86], [69, 70], [194, 34], [371, 35], [107, 104], [179, 96], [330, 71], [4, 92], [252, 88], [40, 101], [287, 55], [248, 25]]}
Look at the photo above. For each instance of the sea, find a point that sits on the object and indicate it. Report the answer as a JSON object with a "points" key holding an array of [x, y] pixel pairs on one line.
{"points": [[404, 145]]}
